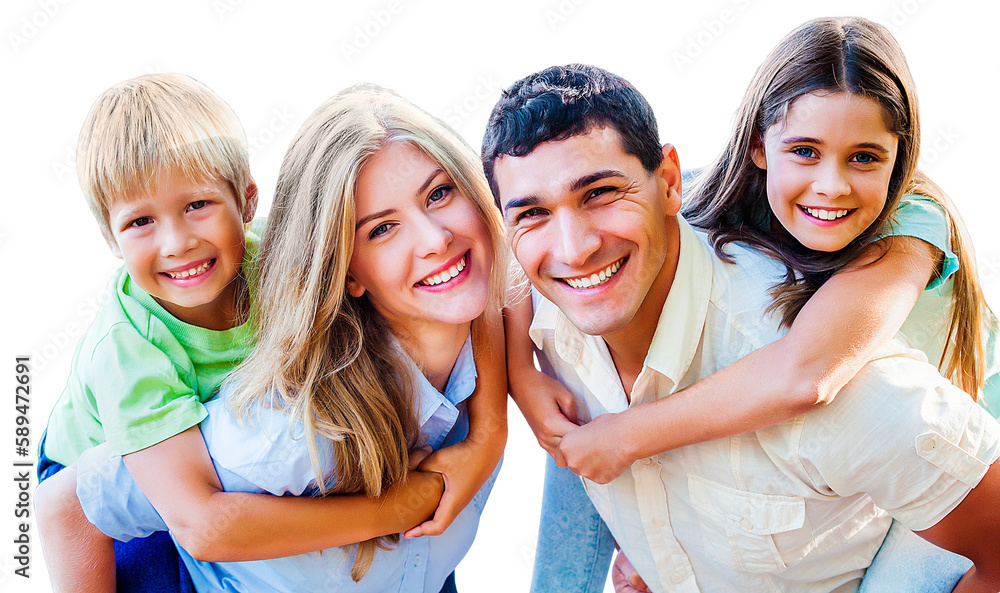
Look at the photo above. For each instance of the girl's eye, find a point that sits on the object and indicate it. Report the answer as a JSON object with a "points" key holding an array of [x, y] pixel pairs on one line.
{"points": [[197, 205], [439, 193], [804, 151], [379, 230], [141, 221], [865, 158]]}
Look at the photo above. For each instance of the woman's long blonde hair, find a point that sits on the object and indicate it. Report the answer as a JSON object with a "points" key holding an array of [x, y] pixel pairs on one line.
{"points": [[325, 357], [829, 55]]}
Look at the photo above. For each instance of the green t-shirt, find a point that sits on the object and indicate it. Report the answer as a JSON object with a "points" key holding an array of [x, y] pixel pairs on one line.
{"points": [[140, 375]]}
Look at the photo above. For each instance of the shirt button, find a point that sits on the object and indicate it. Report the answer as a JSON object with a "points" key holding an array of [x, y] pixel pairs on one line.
{"points": [[676, 578], [746, 524], [418, 560], [647, 461], [928, 445], [658, 522]]}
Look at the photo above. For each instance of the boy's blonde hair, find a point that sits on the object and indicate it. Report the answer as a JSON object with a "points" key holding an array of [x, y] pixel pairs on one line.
{"points": [[153, 123]]}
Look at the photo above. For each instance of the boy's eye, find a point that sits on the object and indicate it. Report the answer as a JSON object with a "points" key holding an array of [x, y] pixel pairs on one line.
{"points": [[141, 221], [197, 205], [439, 193], [804, 151], [379, 230]]}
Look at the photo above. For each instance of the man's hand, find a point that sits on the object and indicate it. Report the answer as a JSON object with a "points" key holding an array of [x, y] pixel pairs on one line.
{"points": [[624, 577], [596, 450], [548, 407], [465, 470]]}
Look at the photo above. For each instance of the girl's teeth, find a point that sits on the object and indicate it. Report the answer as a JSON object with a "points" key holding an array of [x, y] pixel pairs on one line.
{"points": [[595, 279], [826, 214], [188, 273], [445, 275]]}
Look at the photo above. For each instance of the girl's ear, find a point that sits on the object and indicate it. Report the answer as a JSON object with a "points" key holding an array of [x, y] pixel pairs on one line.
{"points": [[354, 288], [758, 157]]}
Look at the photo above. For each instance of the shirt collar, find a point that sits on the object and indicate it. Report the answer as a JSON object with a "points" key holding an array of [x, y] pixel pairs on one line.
{"points": [[681, 321], [461, 383]]}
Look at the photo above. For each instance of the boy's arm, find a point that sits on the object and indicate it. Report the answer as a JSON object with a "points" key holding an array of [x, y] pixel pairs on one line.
{"points": [[79, 558], [867, 302], [467, 465], [972, 529], [179, 479], [547, 406]]}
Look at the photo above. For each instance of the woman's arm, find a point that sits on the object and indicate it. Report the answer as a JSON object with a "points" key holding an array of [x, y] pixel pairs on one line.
{"points": [[179, 480], [834, 335], [467, 465], [545, 403]]}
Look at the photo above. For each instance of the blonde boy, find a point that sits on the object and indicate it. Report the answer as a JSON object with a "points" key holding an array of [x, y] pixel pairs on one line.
{"points": [[164, 167]]}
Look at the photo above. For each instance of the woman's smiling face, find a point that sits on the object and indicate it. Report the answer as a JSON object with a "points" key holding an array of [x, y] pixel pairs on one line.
{"points": [[422, 252]]}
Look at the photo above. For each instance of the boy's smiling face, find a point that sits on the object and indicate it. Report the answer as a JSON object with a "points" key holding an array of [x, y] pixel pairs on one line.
{"points": [[183, 243]]}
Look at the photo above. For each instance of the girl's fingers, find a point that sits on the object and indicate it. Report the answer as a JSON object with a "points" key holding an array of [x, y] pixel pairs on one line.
{"points": [[417, 456]]}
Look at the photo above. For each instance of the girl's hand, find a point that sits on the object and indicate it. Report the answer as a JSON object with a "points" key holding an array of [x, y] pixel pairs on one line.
{"points": [[596, 450], [624, 577], [417, 498], [548, 407], [465, 469]]}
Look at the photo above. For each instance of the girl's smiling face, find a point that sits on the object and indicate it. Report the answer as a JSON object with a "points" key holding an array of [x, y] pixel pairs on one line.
{"points": [[828, 163], [422, 252]]}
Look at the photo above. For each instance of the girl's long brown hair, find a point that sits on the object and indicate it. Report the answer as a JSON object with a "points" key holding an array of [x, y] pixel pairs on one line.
{"points": [[729, 200]]}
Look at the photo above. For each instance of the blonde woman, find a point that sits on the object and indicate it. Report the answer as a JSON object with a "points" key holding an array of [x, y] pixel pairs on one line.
{"points": [[381, 250]]}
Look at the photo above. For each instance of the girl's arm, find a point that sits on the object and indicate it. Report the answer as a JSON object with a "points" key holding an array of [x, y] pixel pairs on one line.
{"points": [[179, 480], [547, 406], [467, 465], [835, 334]]}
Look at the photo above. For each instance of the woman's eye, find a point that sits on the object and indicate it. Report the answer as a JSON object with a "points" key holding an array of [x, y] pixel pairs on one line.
{"points": [[379, 230], [197, 205], [141, 221], [804, 151], [439, 194]]}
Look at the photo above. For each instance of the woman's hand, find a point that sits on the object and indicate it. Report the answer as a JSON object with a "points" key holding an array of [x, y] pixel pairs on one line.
{"points": [[596, 450], [624, 577]]}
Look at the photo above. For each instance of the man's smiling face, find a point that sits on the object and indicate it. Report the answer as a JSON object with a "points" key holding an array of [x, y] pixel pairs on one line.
{"points": [[589, 226]]}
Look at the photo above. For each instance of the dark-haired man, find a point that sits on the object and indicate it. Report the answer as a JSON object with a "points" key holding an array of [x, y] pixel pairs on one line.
{"points": [[630, 306]]}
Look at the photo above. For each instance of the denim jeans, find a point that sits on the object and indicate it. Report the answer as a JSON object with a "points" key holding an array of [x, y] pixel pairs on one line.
{"points": [[574, 545], [907, 564]]}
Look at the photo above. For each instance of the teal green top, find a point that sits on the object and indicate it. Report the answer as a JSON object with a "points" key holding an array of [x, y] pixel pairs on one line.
{"points": [[927, 325], [140, 375]]}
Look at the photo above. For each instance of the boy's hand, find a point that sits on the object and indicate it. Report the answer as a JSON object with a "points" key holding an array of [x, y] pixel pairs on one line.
{"points": [[465, 469], [596, 450], [548, 407], [624, 577]]}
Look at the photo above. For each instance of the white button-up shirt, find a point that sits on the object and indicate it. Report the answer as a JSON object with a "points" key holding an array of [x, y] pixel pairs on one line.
{"points": [[795, 507], [269, 455]]}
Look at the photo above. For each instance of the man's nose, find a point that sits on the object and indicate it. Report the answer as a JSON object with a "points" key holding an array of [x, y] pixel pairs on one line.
{"points": [[577, 240]]}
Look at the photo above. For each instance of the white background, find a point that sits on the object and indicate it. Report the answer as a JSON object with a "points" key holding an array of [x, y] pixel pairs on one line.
{"points": [[274, 65]]}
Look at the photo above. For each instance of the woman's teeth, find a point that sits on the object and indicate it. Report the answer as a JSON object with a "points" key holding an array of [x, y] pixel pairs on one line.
{"points": [[825, 214], [445, 275], [192, 272], [596, 279]]}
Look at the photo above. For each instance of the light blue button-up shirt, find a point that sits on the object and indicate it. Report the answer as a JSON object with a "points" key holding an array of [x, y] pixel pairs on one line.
{"points": [[268, 455]]}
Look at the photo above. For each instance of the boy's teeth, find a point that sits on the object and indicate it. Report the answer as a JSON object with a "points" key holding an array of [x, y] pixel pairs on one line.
{"points": [[445, 275], [187, 273], [595, 279], [825, 214]]}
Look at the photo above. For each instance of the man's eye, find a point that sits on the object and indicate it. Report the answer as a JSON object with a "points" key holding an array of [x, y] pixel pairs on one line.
{"points": [[379, 230], [529, 213], [599, 191], [141, 221]]}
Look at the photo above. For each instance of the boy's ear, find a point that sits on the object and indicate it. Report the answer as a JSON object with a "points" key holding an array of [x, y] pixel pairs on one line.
{"points": [[669, 173], [250, 201], [758, 157], [354, 288], [112, 244]]}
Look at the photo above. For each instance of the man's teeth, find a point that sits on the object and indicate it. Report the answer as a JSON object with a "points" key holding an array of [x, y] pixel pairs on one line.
{"points": [[825, 214], [188, 273], [445, 275], [596, 279]]}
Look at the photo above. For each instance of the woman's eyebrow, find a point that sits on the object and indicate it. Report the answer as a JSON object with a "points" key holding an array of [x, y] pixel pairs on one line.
{"points": [[433, 174], [373, 216]]}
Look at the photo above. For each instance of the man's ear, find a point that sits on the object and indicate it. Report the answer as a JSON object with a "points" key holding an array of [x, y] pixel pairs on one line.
{"points": [[250, 201], [354, 288], [669, 173], [758, 157]]}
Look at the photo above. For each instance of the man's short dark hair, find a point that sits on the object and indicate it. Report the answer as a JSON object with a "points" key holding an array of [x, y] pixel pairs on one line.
{"points": [[564, 101]]}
